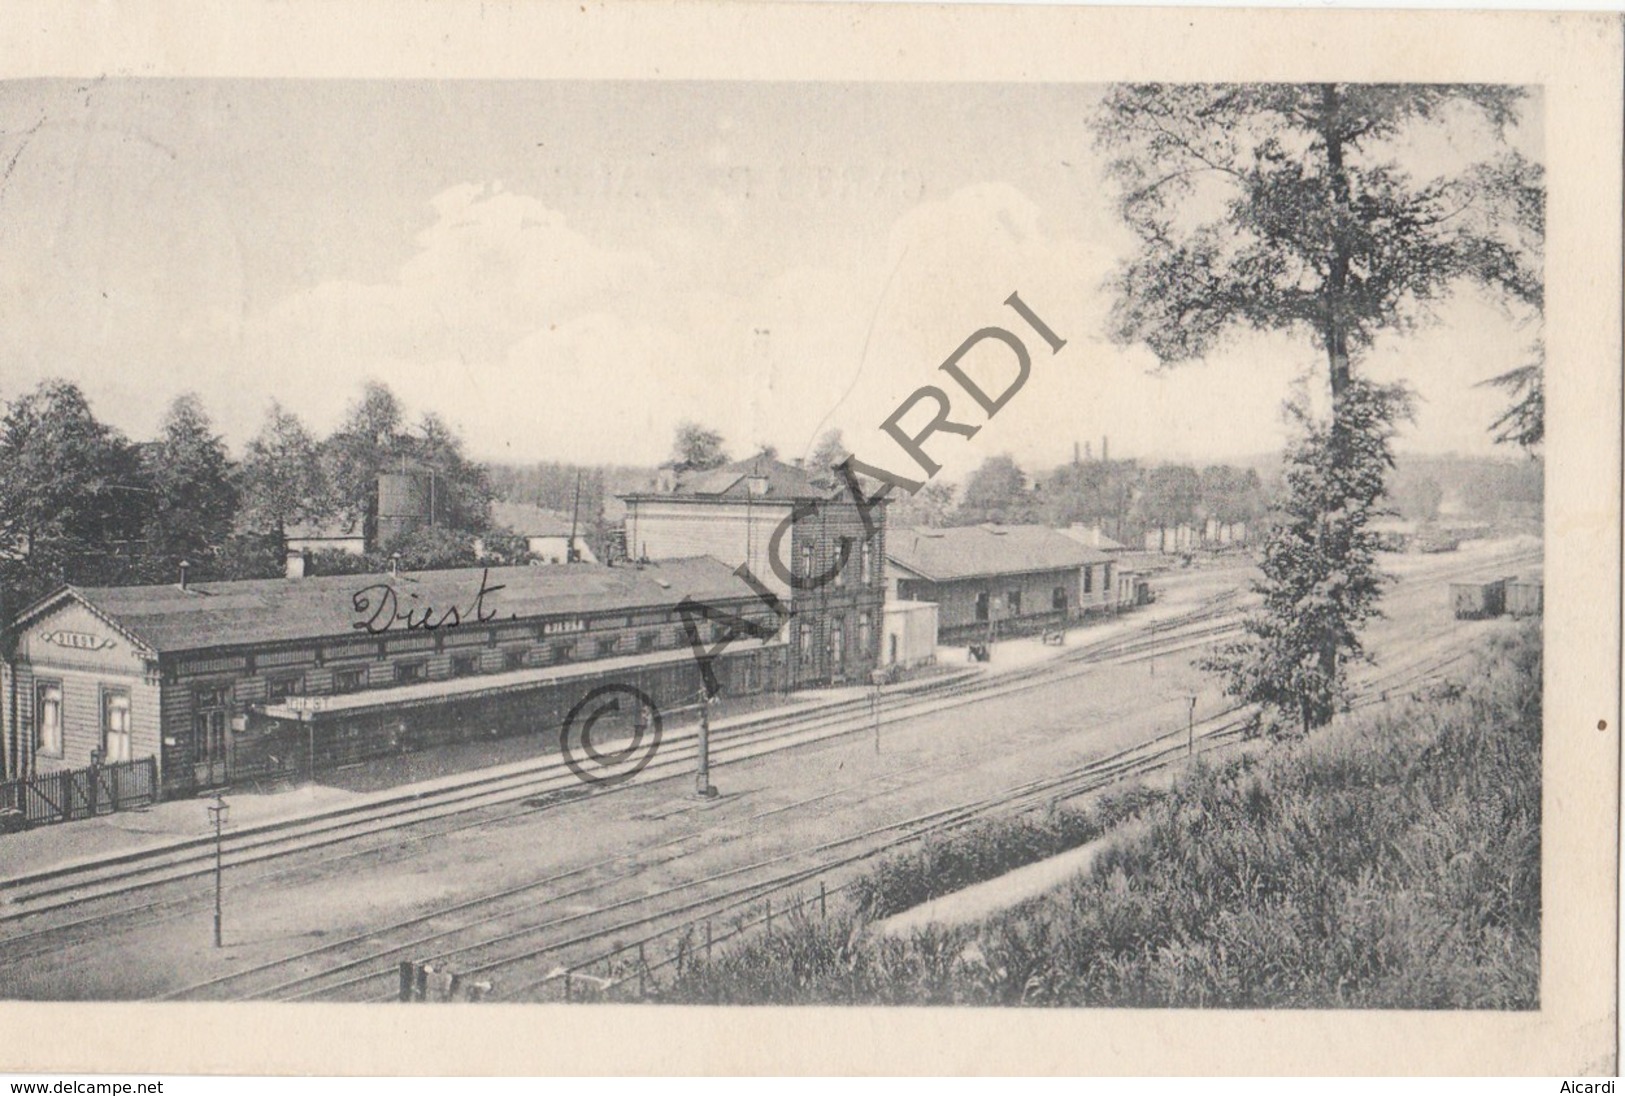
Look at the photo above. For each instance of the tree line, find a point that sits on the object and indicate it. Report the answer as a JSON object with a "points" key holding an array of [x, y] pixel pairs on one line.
{"points": [[82, 503]]}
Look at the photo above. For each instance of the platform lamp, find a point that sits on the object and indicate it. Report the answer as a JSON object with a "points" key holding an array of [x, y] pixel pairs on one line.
{"points": [[702, 773], [217, 817]]}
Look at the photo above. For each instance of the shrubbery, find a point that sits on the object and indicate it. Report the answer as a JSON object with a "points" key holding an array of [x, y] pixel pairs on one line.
{"points": [[1389, 861]]}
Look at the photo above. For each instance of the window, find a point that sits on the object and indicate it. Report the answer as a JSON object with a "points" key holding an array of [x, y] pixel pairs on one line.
{"points": [[1088, 580], [513, 659], [349, 681], [564, 652], [981, 605], [806, 561], [1057, 599], [115, 726], [1015, 602], [48, 717], [806, 641], [465, 665], [646, 641], [280, 688], [863, 635], [408, 672], [837, 644], [864, 557], [606, 646]]}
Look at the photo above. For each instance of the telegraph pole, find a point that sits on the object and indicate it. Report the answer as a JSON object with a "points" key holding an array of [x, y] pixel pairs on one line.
{"points": [[1190, 731]]}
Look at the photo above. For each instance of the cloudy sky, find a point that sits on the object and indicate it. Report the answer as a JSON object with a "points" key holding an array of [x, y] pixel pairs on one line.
{"points": [[566, 270]]}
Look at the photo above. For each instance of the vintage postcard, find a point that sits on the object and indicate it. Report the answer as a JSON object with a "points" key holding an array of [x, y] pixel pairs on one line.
{"points": [[836, 539]]}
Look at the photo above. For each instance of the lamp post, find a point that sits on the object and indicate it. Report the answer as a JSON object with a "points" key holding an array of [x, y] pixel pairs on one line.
{"points": [[702, 773], [217, 815]]}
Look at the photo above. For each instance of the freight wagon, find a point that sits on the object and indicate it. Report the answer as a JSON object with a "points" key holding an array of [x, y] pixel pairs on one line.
{"points": [[1478, 600]]}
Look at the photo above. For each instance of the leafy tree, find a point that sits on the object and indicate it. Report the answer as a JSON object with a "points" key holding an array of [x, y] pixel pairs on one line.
{"points": [[996, 492], [282, 480], [697, 447], [931, 506], [1281, 208], [1315, 230], [462, 492], [195, 500], [1169, 496], [1320, 577], [367, 443], [72, 496], [830, 451]]}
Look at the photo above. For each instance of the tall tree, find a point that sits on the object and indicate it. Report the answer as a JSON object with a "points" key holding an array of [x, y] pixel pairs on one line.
{"points": [[931, 506], [194, 499], [461, 491], [698, 447], [282, 479], [72, 497], [1281, 208], [367, 443], [830, 451], [996, 492], [1320, 577]]}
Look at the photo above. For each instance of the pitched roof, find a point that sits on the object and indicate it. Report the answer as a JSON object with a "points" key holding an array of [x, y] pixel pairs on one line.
{"points": [[339, 528], [967, 551], [531, 521], [777, 480], [1091, 536], [257, 611]]}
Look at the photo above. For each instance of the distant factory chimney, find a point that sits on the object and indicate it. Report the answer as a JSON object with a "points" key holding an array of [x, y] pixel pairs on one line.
{"points": [[1105, 448], [1075, 458], [1088, 450]]}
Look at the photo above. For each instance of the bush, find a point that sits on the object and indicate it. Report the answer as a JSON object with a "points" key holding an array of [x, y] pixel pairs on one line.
{"points": [[1391, 860]]}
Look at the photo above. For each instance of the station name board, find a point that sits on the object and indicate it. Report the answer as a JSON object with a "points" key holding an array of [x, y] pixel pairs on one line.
{"points": [[78, 641], [561, 627]]}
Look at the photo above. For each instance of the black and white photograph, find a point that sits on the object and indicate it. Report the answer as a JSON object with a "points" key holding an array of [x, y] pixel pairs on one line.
{"points": [[1070, 546]]}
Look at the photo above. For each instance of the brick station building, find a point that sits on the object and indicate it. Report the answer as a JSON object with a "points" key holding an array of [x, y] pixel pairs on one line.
{"points": [[732, 512], [223, 681]]}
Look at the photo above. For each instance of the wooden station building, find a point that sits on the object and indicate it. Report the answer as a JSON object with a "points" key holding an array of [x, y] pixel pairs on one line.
{"points": [[225, 681], [1000, 579]]}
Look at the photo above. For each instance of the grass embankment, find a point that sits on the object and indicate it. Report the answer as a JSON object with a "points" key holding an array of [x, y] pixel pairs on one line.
{"points": [[1390, 861]]}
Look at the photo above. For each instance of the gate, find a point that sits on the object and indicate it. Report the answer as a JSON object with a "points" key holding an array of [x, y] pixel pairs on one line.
{"points": [[81, 793]]}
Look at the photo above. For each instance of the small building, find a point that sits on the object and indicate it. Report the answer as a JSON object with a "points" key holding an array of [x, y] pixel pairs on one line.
{"points": [[224, 681], [909, 634], [333, 535], [999, 579], [548, 535]]}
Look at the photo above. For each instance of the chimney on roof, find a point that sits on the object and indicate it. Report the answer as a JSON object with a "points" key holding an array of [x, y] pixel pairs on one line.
{"points": [[185, 566]]}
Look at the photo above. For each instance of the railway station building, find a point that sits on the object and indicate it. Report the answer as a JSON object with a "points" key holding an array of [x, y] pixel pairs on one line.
{"points": [[743, 513], [1000, 580], [226, 681]]}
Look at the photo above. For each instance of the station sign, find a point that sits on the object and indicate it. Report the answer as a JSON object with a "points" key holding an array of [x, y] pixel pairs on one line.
{"points": [[562, 627], [78, 641]]}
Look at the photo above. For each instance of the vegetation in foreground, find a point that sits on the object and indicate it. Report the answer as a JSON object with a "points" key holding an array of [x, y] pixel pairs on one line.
{"points": [[1391, 860]]}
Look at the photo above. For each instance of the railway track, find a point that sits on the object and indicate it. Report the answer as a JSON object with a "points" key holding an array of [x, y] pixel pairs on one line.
{"points": [[1208, 622], [548, 782], [680, 908]]}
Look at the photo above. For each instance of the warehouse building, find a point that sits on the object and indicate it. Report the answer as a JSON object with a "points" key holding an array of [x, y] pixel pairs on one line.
{"points": [[736, 514], [224, 681], [999, 579]]}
